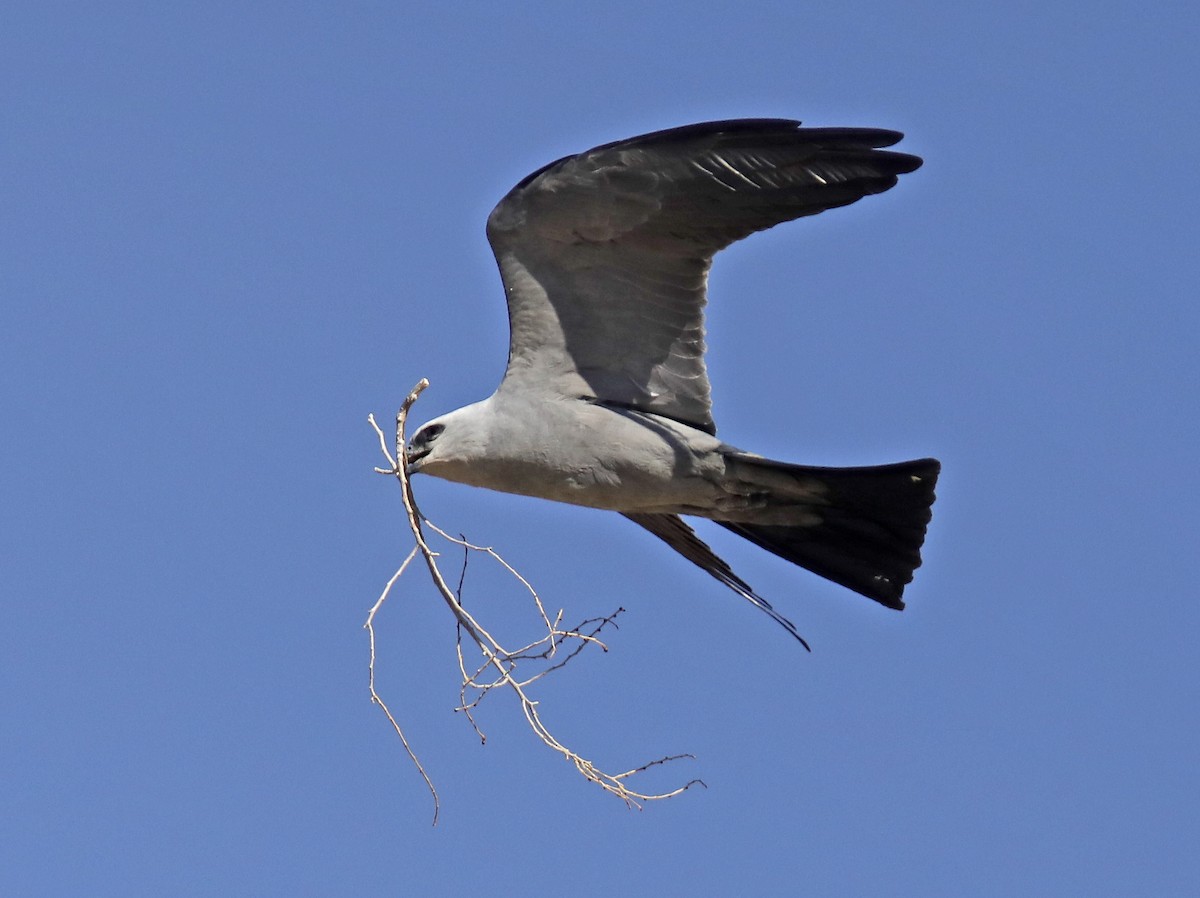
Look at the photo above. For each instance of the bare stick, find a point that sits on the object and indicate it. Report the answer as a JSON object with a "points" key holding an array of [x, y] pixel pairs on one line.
{"points": [[370, 628], [498, 665]]}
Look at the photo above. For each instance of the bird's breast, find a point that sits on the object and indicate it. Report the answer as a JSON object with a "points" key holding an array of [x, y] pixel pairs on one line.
{"points": [[582, 453]]}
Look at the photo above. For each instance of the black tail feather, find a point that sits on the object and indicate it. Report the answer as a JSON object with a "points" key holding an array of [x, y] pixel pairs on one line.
{"points": [[869, 523]]}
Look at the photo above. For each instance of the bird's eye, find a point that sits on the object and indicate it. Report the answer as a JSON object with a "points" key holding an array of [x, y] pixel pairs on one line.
{"points": [[430, 433]]}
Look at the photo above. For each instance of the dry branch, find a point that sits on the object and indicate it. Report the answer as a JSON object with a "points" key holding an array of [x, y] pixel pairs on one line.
{"points": [[497, 666]]}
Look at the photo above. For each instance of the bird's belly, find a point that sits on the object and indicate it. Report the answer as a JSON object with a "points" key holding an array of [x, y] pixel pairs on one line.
{"points": [[594, 481], [621, 466]]}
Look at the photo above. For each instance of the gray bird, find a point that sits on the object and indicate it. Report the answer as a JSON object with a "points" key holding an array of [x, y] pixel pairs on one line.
{"points": [[605, 402]]}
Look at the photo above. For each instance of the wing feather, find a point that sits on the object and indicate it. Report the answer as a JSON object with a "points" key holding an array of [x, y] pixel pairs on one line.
{"points": [[605, 254], [672, 530]]}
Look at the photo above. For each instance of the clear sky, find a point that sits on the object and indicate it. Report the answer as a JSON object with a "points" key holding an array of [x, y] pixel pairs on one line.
{"points": [[231, 231]]}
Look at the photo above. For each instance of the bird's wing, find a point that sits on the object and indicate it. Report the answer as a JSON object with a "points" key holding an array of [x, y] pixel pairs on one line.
{"points": [[605, 254], [672, 530]]}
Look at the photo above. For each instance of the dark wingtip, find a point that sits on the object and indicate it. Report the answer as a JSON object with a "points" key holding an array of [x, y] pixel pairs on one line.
{"points": [[870, 139], [723, 126], [672, 530]]}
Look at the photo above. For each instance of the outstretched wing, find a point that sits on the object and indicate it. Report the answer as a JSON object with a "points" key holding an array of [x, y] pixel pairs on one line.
{"points": [[605, 254]]}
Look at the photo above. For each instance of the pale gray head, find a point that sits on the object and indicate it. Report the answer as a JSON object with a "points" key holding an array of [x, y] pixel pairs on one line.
{"points": [[446, 444], [422, 444]]}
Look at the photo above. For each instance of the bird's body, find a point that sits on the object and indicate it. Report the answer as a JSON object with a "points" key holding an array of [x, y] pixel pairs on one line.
{"points": [[584, 453], [605, 402]]}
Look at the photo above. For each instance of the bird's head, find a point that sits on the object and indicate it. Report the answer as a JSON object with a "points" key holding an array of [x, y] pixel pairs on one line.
{"points": [[424, 449], [444, 445]]}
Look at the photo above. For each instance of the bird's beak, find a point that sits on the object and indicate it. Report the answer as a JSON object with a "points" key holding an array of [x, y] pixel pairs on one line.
{"points": [[414, 456]]}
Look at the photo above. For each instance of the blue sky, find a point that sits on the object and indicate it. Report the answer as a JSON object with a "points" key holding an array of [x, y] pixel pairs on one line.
{"points": [[231, 231]]}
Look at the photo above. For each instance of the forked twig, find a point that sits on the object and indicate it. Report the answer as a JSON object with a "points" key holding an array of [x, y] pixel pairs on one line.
{"points": [[370, 628], [497, 666]]}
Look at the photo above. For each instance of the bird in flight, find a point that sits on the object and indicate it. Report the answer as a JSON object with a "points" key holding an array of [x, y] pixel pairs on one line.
{"points": [[606, 402]]}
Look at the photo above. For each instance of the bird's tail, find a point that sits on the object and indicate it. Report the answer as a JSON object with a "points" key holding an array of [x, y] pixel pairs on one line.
{"points": [[860, 527]]}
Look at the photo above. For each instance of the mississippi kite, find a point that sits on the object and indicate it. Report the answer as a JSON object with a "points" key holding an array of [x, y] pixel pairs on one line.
{"points": [[605, 402]]}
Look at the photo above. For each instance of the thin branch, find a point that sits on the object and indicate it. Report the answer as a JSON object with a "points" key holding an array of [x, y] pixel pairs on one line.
{"points": [[370, 628]]}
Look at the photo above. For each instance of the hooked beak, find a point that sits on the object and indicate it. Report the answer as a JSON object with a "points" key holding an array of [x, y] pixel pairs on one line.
{"points": [[414, 455]]}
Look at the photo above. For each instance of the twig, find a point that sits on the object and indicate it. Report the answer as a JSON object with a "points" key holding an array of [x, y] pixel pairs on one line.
{"points": [[370, 628]]}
